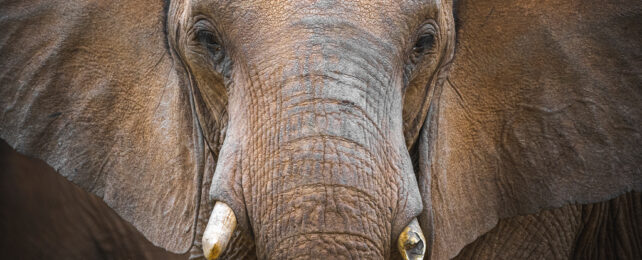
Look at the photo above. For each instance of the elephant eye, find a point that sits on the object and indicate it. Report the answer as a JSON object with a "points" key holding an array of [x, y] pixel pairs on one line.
{"points": [[209, 40], [423, 50], [423, 43]]}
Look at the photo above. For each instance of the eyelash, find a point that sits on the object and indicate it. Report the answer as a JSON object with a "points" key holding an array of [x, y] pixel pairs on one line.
{"points": [[209, 40], [424, 42], [423, 45]]}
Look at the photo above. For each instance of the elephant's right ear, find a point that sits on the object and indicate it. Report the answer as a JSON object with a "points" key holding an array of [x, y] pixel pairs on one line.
{"points": [[90, 88], [542, 108]]}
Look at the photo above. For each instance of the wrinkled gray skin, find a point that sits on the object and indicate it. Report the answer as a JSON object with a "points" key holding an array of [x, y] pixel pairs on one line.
{"points": [[327, 126]]}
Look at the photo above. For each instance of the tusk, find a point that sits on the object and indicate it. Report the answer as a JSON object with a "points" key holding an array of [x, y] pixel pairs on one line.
{"points": [[218, 231], [412, 243]]}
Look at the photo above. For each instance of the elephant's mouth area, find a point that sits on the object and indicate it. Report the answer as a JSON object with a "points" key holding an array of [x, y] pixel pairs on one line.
{"points": [[327, 244], [328, 214]]}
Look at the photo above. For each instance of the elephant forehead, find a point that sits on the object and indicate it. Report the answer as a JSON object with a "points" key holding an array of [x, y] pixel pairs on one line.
{"points": [[269, 20]]}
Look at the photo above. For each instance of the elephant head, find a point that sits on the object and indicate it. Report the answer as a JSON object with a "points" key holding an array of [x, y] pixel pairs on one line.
{"points": [[311, 98], [324, 127]]}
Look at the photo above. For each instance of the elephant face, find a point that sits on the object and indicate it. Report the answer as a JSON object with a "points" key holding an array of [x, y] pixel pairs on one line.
{"points": [[325, 128], [315, 149]]}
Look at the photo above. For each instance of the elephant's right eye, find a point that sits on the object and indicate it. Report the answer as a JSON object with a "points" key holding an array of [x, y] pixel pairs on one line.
{"points": [[209, 41], [423, 43]]}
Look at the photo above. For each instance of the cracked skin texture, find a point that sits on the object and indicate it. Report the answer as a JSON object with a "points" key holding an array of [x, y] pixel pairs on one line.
{"points": [[307, 125]]}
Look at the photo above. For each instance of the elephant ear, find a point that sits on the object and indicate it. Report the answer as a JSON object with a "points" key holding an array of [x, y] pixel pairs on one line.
{"points": [[542, 108], [90, 88]]}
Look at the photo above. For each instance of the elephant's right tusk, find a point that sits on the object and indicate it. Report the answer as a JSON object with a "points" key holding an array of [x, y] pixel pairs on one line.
{"points": [[219, 230], [411, 243]]}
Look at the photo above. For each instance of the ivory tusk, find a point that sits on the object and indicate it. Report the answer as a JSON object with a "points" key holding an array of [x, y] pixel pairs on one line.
{"points": [[412, 243], [219, 230]]}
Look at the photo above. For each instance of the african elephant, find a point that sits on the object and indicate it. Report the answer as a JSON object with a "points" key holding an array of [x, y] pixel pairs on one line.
{"points": [[325, 128]]}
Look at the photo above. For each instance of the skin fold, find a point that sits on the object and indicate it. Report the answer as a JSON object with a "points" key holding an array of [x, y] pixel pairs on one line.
{"points": [[328, 126]]}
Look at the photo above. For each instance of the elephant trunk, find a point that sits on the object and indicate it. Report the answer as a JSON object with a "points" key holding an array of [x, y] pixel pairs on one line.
{"points": [[317, 154], [321, 190]]}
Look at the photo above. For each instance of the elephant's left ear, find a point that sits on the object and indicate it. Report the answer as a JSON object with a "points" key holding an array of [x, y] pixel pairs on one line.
{"points": [[543, 108], [90, 88]]}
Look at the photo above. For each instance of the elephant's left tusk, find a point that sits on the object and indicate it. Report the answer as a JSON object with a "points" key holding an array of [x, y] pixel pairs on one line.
{"points": [[412, 243], [219, 230]]}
